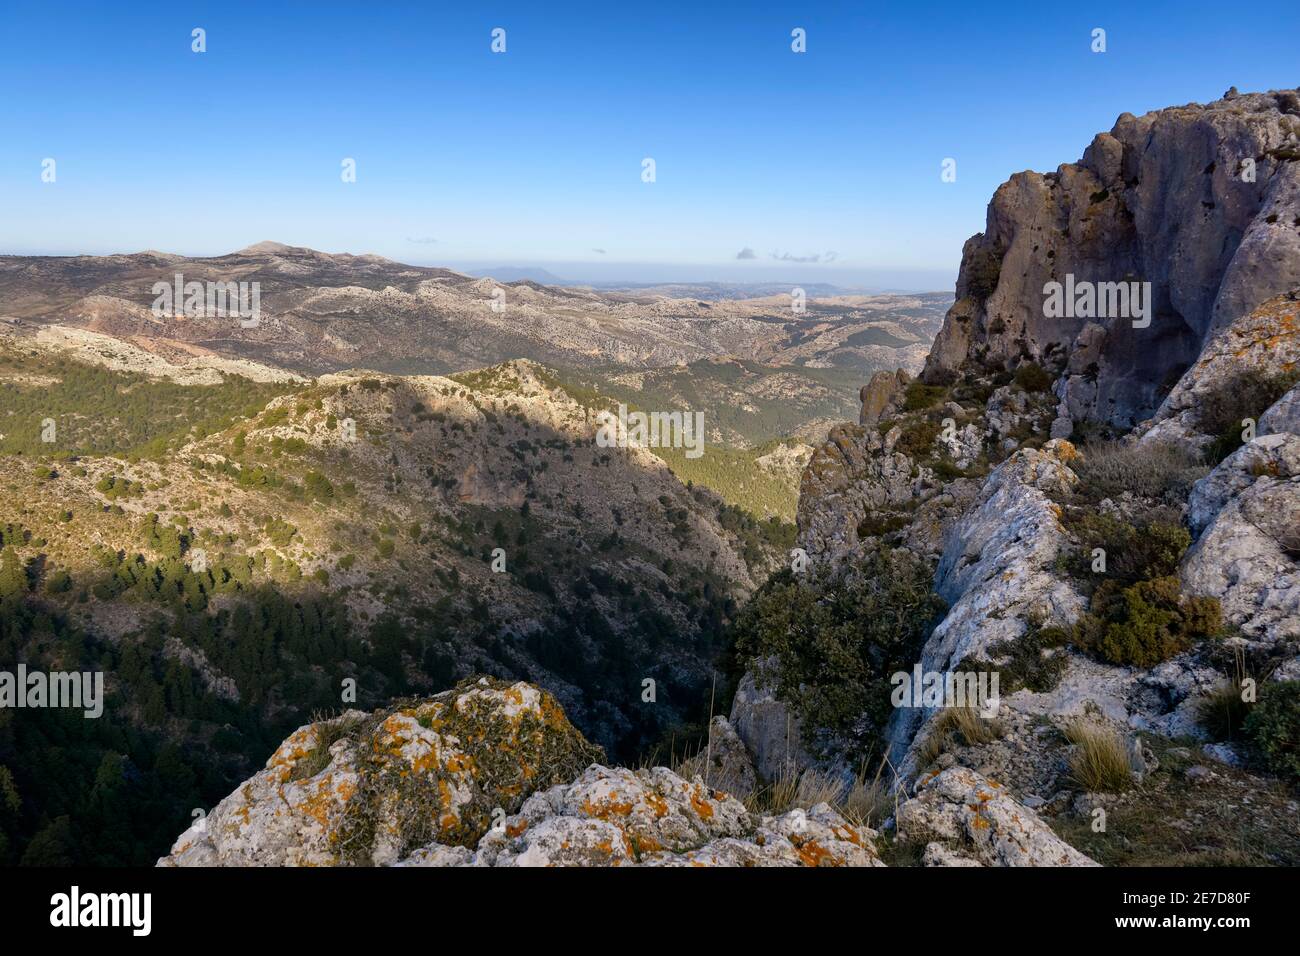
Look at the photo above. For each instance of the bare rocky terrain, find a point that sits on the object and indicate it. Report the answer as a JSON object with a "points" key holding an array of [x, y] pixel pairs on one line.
{"points": [[1099, 512], [1115, 540], [327, 312]]}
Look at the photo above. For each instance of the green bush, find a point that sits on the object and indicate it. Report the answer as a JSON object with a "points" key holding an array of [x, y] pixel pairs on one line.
{"points": [[279, 531], [983, 269], [317, 486], [1025, 661], [917, 438], [1248, 395], [1145, 623], [918, 396], [59, 582], [948, 470], [1033, 378], [1150, 547], [113, 487], [836, 638], [878, 523], [1273, 727]]}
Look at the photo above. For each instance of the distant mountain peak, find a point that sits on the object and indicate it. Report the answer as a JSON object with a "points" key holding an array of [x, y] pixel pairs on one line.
{"points": [[264, 248]]}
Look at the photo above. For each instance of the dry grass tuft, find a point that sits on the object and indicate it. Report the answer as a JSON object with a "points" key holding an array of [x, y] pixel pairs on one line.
{"points": [[957, 725], [1100, 762], [1160, 471], [869, 801]]}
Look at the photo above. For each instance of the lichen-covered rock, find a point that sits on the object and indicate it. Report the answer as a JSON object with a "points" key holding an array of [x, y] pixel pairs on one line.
{"points": [[1275, 456], [815, 837], [974, 819], [621, 817], [1265, 341], [724, 763], [370, 788], [614, 815], [936, 854]]}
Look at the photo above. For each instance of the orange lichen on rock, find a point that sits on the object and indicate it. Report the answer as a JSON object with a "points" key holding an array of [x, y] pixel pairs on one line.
{"points": [[812, 853], [610, 806], [701, 804]]}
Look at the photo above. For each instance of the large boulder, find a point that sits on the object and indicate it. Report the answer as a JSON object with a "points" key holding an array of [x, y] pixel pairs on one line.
{"points": [[724, 762], [369, 788], [1246, 514], [965, 820], [768, 728], [620, 817]]}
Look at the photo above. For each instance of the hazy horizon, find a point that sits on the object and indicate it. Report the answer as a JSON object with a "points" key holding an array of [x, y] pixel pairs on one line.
{"points": [[770, 165], [623, 273]]}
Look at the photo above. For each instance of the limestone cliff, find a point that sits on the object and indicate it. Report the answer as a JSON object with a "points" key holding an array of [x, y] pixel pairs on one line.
{"points": [[969, 467], [1199, 201]]}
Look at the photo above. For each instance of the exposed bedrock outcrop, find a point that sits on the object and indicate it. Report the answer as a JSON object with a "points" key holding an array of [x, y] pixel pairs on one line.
{"points": [[1246, 518], [881, 395], [621, 817], [996, 572], [492, 774], [856, 471], [964, 819], [1264, 342], [860, 474], [368, 789], [1201, 201]]}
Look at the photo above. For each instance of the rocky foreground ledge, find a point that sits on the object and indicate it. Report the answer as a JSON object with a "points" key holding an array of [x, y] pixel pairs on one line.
{"points": [[493, 774]]}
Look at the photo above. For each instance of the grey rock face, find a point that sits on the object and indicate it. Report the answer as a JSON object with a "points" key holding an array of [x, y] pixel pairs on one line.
{"points": [[1198, 200], [724, 764], [967, 820], [1248, 551], [884, 390], [996, 571], [768, 728], [1246, 514], [1264, 341], [856, 472], [1283, 417]]}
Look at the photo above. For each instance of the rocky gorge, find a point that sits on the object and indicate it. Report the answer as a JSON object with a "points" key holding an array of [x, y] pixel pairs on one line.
{"points": [[1107, 511]]}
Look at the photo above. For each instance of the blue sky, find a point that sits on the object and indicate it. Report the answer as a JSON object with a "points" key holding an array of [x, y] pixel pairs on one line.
{"points": [[534, 156]]}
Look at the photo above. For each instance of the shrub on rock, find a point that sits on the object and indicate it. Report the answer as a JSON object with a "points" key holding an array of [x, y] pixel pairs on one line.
{"points": [[1273, 727], [836, 638], [1145, 623]]}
